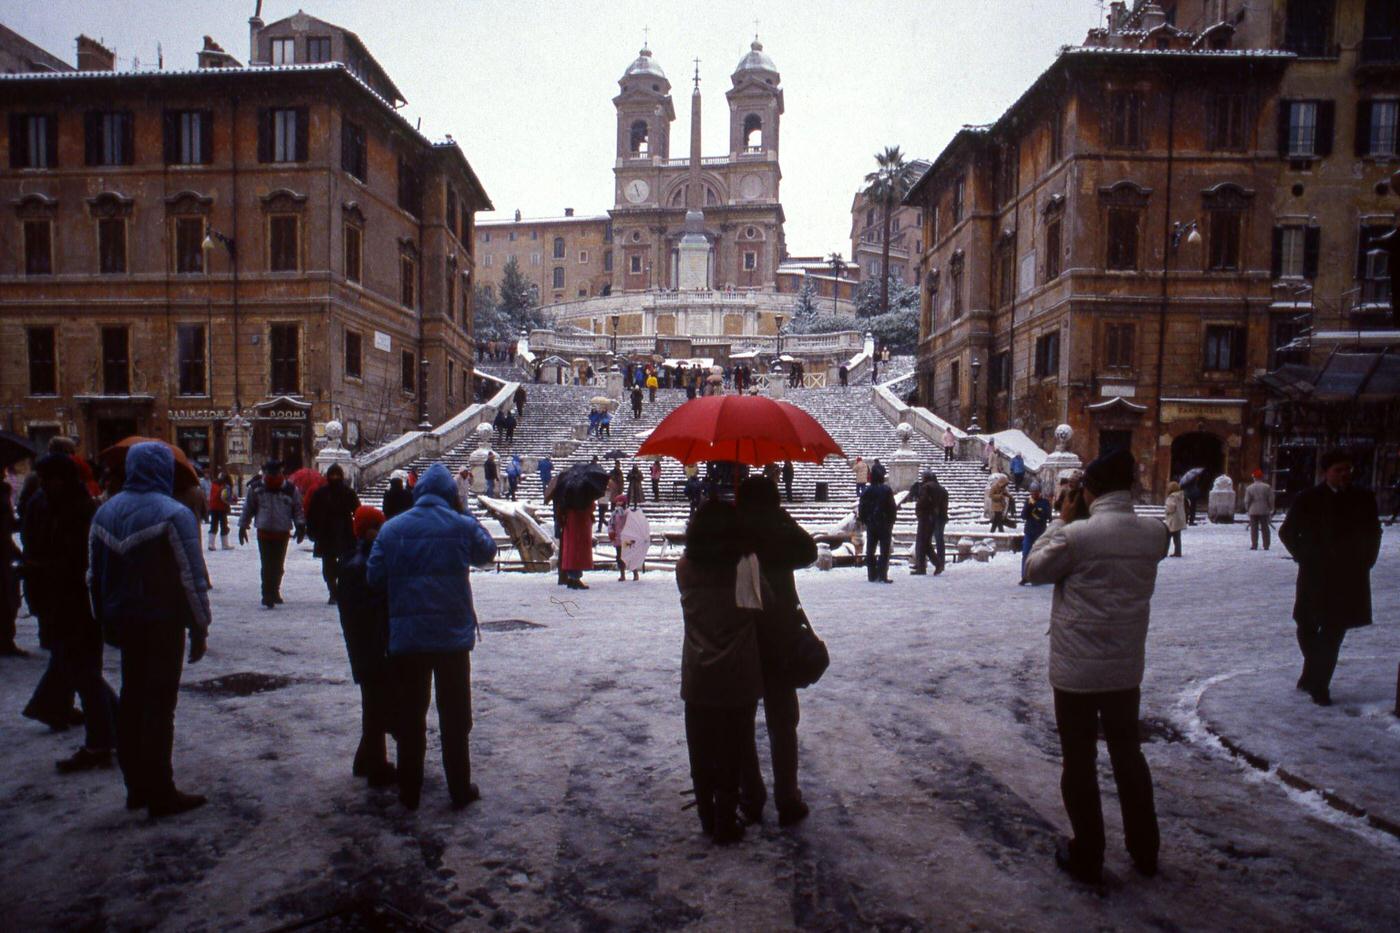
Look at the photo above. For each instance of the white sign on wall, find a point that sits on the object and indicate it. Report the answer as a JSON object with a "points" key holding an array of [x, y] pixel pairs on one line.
{"points": [[382, 342], [1027, 273]]}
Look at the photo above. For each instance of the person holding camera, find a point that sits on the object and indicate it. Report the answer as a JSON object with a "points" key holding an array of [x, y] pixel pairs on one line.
{"points": [[1103, 560]]}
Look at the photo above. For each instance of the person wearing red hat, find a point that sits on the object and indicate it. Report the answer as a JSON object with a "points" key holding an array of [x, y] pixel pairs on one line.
{"points": [[1259, 504], [364, 619]]}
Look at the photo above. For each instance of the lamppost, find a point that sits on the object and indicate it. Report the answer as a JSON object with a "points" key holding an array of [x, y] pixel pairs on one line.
{"points": [[238, 429], [973, 427], [778, 319], [614, 320]]}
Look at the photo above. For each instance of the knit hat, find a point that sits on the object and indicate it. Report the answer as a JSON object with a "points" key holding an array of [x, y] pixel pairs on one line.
{"points": [[1112, 472], [1258, 474], [367, 518]]}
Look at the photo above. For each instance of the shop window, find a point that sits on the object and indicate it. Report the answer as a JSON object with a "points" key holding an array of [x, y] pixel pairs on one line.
{"points": [[194, 441], [190, 344]]}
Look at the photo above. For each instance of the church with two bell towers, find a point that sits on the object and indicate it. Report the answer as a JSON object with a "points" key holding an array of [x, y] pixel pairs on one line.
{"points": [[697, 222]]}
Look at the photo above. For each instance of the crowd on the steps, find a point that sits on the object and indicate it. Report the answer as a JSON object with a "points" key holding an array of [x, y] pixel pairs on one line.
{"points": [[116, 560]]}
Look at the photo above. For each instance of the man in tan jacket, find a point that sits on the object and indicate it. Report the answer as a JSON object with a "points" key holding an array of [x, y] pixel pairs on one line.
{"points": [[1102, 559], [1259, 504]]}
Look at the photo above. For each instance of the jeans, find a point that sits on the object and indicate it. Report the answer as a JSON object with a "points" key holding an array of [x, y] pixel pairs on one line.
{"points": [[1320, 646], [153, 656], [1176, 542], [416, 673], [491, 486], [1077, 717], [218, 522], [272, 553], [1028, 540], [1257, 524], [928, 542], [877, 569]]}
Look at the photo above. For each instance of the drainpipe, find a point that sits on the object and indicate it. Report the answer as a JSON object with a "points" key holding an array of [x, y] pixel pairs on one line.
{"points": [[1166, 262]]}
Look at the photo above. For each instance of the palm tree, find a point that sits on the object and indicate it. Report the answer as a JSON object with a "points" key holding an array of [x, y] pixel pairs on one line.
{"points": [[887, 186], [838, 267]]}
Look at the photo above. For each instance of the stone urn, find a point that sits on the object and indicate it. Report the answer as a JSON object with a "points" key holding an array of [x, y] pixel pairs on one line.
{"points": [[904, 463], [1062, 461], [334, 453], [1220, 507], [825, 560]]}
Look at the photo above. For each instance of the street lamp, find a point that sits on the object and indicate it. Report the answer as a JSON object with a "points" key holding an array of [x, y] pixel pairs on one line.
{"points": [[778, 319], [212, 236], [973, 427], [614, 337], [1185, 230]]}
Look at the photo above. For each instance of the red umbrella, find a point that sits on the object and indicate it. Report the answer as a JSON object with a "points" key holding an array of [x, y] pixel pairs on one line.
{"points": [[750, 429], [114, 458], [307, 480]]}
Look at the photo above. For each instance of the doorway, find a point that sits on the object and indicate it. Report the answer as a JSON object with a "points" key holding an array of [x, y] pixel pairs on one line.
{"points": [[1199, 449], [287, 448], [111, 430], [1111, 440], [1296, 467]]}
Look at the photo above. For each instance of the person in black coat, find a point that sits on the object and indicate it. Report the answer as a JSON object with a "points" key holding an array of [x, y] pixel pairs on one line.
{"points": [[636, 402], [931, 510], [1333, 531], [328, 521], [397, 499], [788, 474], [877, 514], [364, 619], [782, 547], [55, 533]]}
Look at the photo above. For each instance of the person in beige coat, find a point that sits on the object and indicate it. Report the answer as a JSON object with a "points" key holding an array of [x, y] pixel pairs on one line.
{"points": [[1259, 505], [1175, 515], [860, 470], [1103, 560]]}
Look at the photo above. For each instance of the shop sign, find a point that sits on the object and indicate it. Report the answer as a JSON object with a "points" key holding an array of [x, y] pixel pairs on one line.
{"points": [[281, 414], [198, 414], [1181, 411]]}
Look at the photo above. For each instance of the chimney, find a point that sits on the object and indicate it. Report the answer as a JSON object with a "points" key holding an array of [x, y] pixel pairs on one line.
{"points": [[1117, 13], [214, 56], [1152, 17], [255, 25], [568, 212], [94, 56]]}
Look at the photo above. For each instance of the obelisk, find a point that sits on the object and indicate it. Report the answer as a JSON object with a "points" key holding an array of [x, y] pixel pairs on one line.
{"points": [[693, 273]]}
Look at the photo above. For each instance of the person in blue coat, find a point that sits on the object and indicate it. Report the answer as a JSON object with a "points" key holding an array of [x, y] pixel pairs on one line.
{"points": [[546, 468], [149, 586], [421, 559], [1036, 515]]}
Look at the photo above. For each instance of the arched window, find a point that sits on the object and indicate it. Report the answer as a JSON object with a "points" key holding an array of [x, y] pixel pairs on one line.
{"points": [[640, 143], [558, 247], [753, 132]]}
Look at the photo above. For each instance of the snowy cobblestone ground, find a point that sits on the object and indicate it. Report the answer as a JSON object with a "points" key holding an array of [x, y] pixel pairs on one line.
{"points": [[929, 759]]}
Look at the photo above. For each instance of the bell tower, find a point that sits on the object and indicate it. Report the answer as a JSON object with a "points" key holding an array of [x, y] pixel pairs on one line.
{"points": [[755, 105], [644, 111]]}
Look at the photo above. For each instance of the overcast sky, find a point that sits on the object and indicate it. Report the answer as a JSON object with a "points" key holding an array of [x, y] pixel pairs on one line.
{"points": [[526, 86]]}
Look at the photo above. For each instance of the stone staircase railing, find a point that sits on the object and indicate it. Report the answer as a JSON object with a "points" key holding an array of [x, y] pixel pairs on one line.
{"points": [[414, 445]]}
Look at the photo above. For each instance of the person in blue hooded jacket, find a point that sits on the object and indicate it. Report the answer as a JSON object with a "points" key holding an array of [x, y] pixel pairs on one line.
{"points": [[149, 586], [421, 558]]}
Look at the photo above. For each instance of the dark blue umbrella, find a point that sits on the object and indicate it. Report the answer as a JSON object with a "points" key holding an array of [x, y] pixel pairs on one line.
{"points": [[14, 448]]}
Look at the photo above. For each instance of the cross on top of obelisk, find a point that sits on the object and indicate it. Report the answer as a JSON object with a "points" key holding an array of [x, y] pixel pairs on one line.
{"points": [[697, 74], [755, 30]]}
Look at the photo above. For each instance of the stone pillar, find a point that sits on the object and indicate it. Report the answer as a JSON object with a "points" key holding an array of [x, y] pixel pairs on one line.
{"points": [[1062, 461], [904, 464], [333, 453], [478, 457]]}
